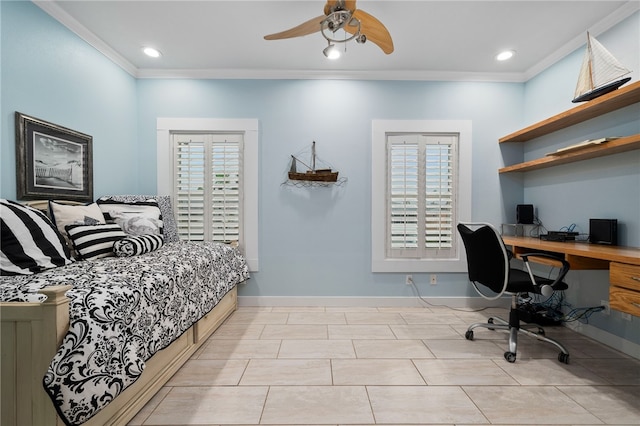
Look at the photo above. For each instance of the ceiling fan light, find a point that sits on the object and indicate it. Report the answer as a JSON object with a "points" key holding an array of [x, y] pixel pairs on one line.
{"points": [[505, 55], [331, 52]]}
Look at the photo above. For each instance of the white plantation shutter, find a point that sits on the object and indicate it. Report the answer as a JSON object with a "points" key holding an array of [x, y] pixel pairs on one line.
{"points": [[225, 191], [439, 191], [207, 189], [189, 187], [403, 208], [421, 195]]}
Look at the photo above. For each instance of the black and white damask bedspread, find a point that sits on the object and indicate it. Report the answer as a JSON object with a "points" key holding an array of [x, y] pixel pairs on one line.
{"points": [[122, 311]]}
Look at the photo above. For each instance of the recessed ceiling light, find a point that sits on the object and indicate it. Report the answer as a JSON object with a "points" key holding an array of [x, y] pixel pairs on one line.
{"points": [[507, 54], [150, 51]]}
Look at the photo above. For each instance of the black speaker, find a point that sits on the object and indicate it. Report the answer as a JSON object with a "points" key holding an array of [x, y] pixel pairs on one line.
{"points": [[603, 231], [524, 214]]}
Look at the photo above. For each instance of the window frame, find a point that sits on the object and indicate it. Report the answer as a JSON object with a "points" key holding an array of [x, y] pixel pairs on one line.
{"points": [[380, 259], [249, 129]]}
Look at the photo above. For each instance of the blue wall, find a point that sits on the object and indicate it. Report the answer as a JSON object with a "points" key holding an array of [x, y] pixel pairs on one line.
{"points": [[50, 73], [316, 242], [603, 187], [606, 187], [313, 242]]}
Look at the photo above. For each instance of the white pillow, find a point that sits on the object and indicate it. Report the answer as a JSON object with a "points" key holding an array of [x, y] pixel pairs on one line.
{"points": [[169, 227], [63, 215], [135, 218], [137, 223]]}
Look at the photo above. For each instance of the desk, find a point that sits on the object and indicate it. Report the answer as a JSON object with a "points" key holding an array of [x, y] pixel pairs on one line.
{"points": [[623, 264]]}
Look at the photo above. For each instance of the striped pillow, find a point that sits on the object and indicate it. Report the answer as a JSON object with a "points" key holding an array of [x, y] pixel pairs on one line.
{"points": [[94, 241], [30, 242], [138, 244]]}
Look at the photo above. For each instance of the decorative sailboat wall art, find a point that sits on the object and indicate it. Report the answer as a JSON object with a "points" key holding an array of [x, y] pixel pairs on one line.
{"points": [[312, 173], [600, 72]]}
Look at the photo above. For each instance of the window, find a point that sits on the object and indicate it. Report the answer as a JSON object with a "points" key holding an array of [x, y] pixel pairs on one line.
{"points": [[207, 186], [210, 169], [420, 202], [421, 180]]}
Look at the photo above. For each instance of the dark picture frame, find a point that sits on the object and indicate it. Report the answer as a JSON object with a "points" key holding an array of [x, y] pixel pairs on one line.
{"points": [[52, 162]]}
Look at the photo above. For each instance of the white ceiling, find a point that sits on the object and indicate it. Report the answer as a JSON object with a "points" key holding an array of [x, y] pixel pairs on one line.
{"points": [[439, 40]]}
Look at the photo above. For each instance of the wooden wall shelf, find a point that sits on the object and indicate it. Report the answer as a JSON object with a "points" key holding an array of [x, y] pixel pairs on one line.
{"points": [[624, 262], [612, 147], [625, 96]]}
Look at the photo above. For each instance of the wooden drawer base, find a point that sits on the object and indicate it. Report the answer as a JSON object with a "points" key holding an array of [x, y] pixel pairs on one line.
{"points": [[624, 300], [207, 324], [624, 290], [625, 275]]}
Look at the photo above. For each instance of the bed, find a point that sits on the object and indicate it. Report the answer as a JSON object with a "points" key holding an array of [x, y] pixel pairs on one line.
{"points": [[91, 341]]}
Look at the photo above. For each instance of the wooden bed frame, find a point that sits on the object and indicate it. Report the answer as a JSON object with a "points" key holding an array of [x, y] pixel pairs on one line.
{"points": [[30, 336]]}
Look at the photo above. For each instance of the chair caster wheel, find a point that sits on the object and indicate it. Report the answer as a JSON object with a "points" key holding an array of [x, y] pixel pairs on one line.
{"points": [[510, 356], [490, 321], [564, 358], [468, 335]]}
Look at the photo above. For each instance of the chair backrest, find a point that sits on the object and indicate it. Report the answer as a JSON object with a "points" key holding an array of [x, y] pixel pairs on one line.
{"points": [[487, 258]]}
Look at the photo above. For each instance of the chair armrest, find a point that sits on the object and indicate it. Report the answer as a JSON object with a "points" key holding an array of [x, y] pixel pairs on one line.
{"points": [[509, 253], [563, 270]]}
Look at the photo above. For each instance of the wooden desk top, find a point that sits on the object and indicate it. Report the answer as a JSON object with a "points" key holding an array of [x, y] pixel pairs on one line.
{"points": [[630, 255]]}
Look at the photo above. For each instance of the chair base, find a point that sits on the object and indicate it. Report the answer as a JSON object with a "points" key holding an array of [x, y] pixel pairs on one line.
{"points": [[514, 328]]}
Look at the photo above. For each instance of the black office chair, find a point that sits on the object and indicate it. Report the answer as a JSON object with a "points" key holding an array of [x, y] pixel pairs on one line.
{"points": [[488, 262]]}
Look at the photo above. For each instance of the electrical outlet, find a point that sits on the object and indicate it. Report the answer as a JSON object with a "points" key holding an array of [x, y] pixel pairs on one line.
{"points": [[607, 309], [408, 280], [433, 279], [626, 316]]}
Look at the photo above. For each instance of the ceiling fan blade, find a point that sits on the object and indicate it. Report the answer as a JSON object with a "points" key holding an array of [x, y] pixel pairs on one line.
{"points": [[309, 27], [375, 30]]}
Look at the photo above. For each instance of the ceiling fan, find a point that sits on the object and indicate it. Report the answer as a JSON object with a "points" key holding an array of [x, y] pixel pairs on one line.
{"points": [[342, 15]]}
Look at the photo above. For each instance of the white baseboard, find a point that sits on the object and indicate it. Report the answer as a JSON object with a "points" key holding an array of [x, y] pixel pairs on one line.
{"points": [[356, 301], [604, 337]]}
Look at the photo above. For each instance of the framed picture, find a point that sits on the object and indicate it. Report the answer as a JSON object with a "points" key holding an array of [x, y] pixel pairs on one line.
{"points": [[52, 161]]}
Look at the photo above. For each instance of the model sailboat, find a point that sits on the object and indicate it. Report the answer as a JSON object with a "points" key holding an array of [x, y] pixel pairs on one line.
{"points": [[600, 73], [311, 174]]}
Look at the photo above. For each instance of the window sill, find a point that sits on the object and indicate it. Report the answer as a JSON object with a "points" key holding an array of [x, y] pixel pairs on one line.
{"points": [[419, 265]]}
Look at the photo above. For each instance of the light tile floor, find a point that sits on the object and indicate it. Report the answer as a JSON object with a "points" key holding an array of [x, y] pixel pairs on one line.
{"points": [[400, 366]]}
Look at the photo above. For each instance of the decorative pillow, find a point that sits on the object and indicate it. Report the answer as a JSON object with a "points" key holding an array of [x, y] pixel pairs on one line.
{"points": [[137, 224], [94, 241], [65, 214], [169, 227], [135, 245], [135, 218], [30, 242]]}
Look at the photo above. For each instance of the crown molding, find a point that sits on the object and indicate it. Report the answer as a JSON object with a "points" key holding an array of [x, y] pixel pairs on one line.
{"points": [[55, 11], [611, 20], [264, 74]]}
